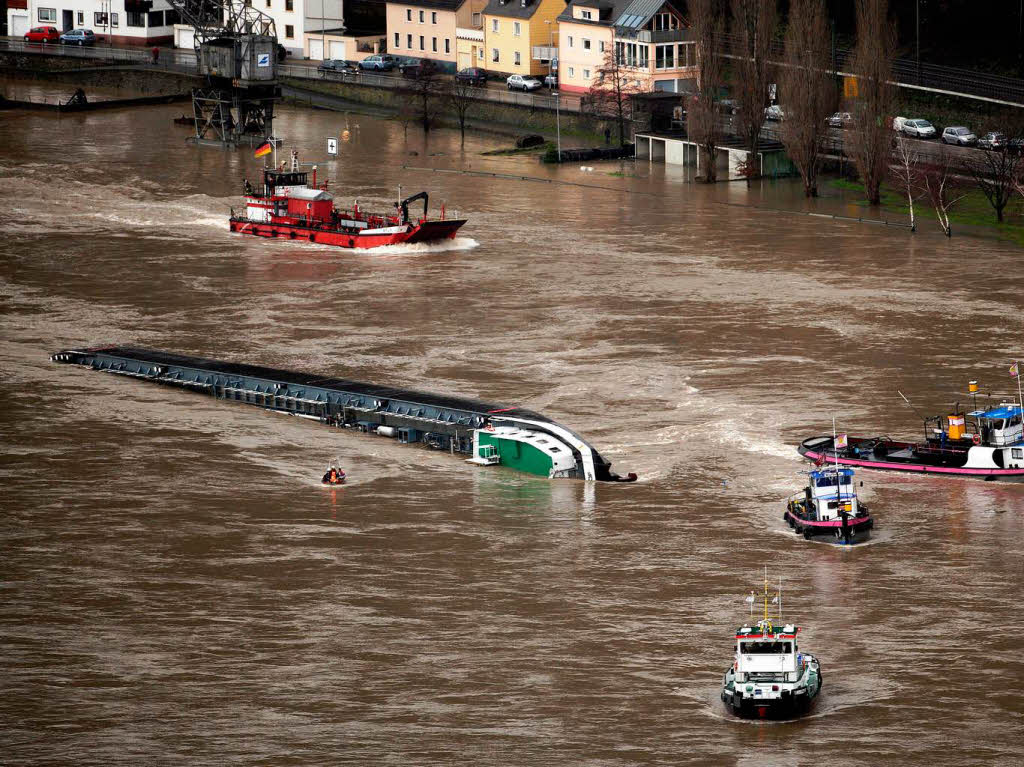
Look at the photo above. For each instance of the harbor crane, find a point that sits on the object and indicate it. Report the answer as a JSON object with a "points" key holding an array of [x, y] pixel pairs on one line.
{"points": [[237, 54]]}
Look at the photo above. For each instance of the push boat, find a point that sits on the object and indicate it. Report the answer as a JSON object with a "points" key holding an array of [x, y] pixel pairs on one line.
{"points": [[829, 507], [290, 208], [770, 677], [994, 450]]}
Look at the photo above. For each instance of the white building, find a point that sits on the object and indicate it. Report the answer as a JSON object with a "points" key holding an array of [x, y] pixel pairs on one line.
{"points": [[131, 22], [294, 21]]}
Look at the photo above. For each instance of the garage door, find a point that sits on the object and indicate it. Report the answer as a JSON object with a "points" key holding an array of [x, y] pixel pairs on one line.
{"points": [[337, 48], [187, 38], [316, 49], [464, 61], [19, 25]]}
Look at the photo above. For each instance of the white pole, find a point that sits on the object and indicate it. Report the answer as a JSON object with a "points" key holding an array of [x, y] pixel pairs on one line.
{"points": [[558, 125], [1020, 401]]}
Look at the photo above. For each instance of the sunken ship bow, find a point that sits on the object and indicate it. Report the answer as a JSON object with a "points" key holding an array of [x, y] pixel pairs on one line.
{"points": [[489, 434]]}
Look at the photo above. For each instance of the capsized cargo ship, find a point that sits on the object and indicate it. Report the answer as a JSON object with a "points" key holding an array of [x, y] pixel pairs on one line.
{"points": [[288, 207], [492, 434]]}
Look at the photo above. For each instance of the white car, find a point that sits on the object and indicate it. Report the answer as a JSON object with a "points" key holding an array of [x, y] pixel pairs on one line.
{"points": [[774, 112], [840, 120], [959, 135], [523, 83], [918, 129]]}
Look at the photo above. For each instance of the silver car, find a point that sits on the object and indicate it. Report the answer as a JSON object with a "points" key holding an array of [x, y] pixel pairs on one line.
{"points": [[959, 135], [918, 129], [523, 83]]}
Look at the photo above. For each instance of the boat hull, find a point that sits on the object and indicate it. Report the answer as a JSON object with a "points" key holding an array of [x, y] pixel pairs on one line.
{"points": [[890, 455], [787, 703], [856, 530], [423, 232]]}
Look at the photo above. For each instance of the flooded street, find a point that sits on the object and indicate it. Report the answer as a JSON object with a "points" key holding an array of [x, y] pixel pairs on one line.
{"points": [[179, 588]]}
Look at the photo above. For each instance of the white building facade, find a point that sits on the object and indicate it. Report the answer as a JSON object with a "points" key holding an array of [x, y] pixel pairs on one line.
{"points": [[121, 22]]}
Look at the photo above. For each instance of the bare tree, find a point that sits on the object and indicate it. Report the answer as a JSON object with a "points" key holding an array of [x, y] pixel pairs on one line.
{"points": [[905, 174], [871, 134], [807, 88], [941, 186], [610, 95], [997, 175], [422, 92], [461, 96], [753, 30], [704, 123]]}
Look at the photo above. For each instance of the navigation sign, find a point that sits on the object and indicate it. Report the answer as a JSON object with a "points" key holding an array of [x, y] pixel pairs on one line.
{"points": [[332, 145]]}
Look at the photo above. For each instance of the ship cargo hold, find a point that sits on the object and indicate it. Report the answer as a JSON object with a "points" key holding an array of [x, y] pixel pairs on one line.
{"points": [[492, 434]]}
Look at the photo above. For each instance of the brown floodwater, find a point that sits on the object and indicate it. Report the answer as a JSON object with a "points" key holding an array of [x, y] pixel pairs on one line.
{"points": [[179, 589]]}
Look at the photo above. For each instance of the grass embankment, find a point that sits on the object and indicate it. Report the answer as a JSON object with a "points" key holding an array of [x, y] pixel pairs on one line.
{"points": [[973, 212]]}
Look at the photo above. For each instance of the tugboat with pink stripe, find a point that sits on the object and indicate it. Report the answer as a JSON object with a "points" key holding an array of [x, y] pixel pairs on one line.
{"points": [[828, 507]]}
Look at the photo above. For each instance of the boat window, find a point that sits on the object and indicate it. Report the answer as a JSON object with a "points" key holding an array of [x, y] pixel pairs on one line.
{"points": [[554, 449], [1017, 452], [845, 480], [826, 482], [765, 648]]}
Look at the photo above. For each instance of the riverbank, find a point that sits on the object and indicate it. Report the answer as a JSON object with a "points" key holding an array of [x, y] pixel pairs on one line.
{"points": [[971, 215]]}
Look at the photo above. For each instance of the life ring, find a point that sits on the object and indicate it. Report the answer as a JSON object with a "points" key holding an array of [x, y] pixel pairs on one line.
{"points": [[976, 439]]}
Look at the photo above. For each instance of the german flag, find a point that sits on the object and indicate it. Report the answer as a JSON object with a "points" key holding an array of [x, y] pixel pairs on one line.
{"points": [[264, 149]]}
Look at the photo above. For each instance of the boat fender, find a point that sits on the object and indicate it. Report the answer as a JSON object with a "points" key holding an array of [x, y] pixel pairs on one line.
{"points": [[976, 439]]}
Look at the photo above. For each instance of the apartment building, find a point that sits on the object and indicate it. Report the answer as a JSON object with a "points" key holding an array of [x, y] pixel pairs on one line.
{"points": [[430, 29], [649, 38], [514, 30]]}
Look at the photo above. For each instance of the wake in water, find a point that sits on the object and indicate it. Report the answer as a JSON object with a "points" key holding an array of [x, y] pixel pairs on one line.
{"points": [[404, 249]]}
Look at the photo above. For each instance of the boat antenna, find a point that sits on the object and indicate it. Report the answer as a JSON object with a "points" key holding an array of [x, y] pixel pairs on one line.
{"points": [[780, 599], [923, 419], [1015, 372], [766, 593]]}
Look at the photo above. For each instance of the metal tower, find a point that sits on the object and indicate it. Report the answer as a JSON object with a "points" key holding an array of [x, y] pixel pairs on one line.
{"points": [[236, 51]]}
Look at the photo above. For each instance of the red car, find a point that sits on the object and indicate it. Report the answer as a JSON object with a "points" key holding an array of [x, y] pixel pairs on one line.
{"points": [[42, 35]]}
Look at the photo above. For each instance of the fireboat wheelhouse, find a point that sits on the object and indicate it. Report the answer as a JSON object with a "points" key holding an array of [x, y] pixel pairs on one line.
{"points": [[770, 678], [290, 208]]}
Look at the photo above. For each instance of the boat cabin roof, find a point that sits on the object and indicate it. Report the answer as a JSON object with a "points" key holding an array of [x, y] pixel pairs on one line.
{"points": [[1003, 411], [831, 472], [310, 194], [789, 631]]}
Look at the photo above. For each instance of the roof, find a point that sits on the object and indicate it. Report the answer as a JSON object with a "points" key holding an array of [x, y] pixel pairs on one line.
{"points": [[637, 13], [513, 9], [440, 5], [1003, 411], [310, 194], [628, 15]]}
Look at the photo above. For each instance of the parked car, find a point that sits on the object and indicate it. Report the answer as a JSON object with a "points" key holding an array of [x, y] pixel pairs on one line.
{"points": [[523, 83], [473, 76], [897, 124], [414, 70], [959, 135], [78, 37], [551, 81], [840, 120], [992, 140], [340, 66], [918, 129], [381, 62], [774, 113], [1015, 145], [282, 53], [42, 35]]}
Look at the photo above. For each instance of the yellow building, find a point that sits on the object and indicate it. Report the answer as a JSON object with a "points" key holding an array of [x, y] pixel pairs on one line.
{"points": [[518, 35]]}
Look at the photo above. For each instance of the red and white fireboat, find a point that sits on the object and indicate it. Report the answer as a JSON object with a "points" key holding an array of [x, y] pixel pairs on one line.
{"points": [[288, 207]]}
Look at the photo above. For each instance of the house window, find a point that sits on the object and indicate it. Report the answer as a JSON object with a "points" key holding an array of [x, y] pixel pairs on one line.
{"points": [[408, 14], [572, 72], [422, 46], [516, 28], [289, 31], [586, 74], [664, 21], [408, 42], [519, 61], [81, 18], [570, 41], [600, 44], [113, 19], [47, 14], [494, 55], [433, 17], [421, 17], [585, 15], [171, 18], [433, 44], [447, 45], [100, 19], [494, 25], [687, 55], [586, 44], [476, 20], [289, 5], [269, 4], [664, 57], [156, 19], [135, 19], [397, 38]]}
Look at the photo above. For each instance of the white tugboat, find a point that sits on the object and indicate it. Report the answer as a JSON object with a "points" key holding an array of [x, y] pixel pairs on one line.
{"points": [[829, 507], [770, 677]]}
